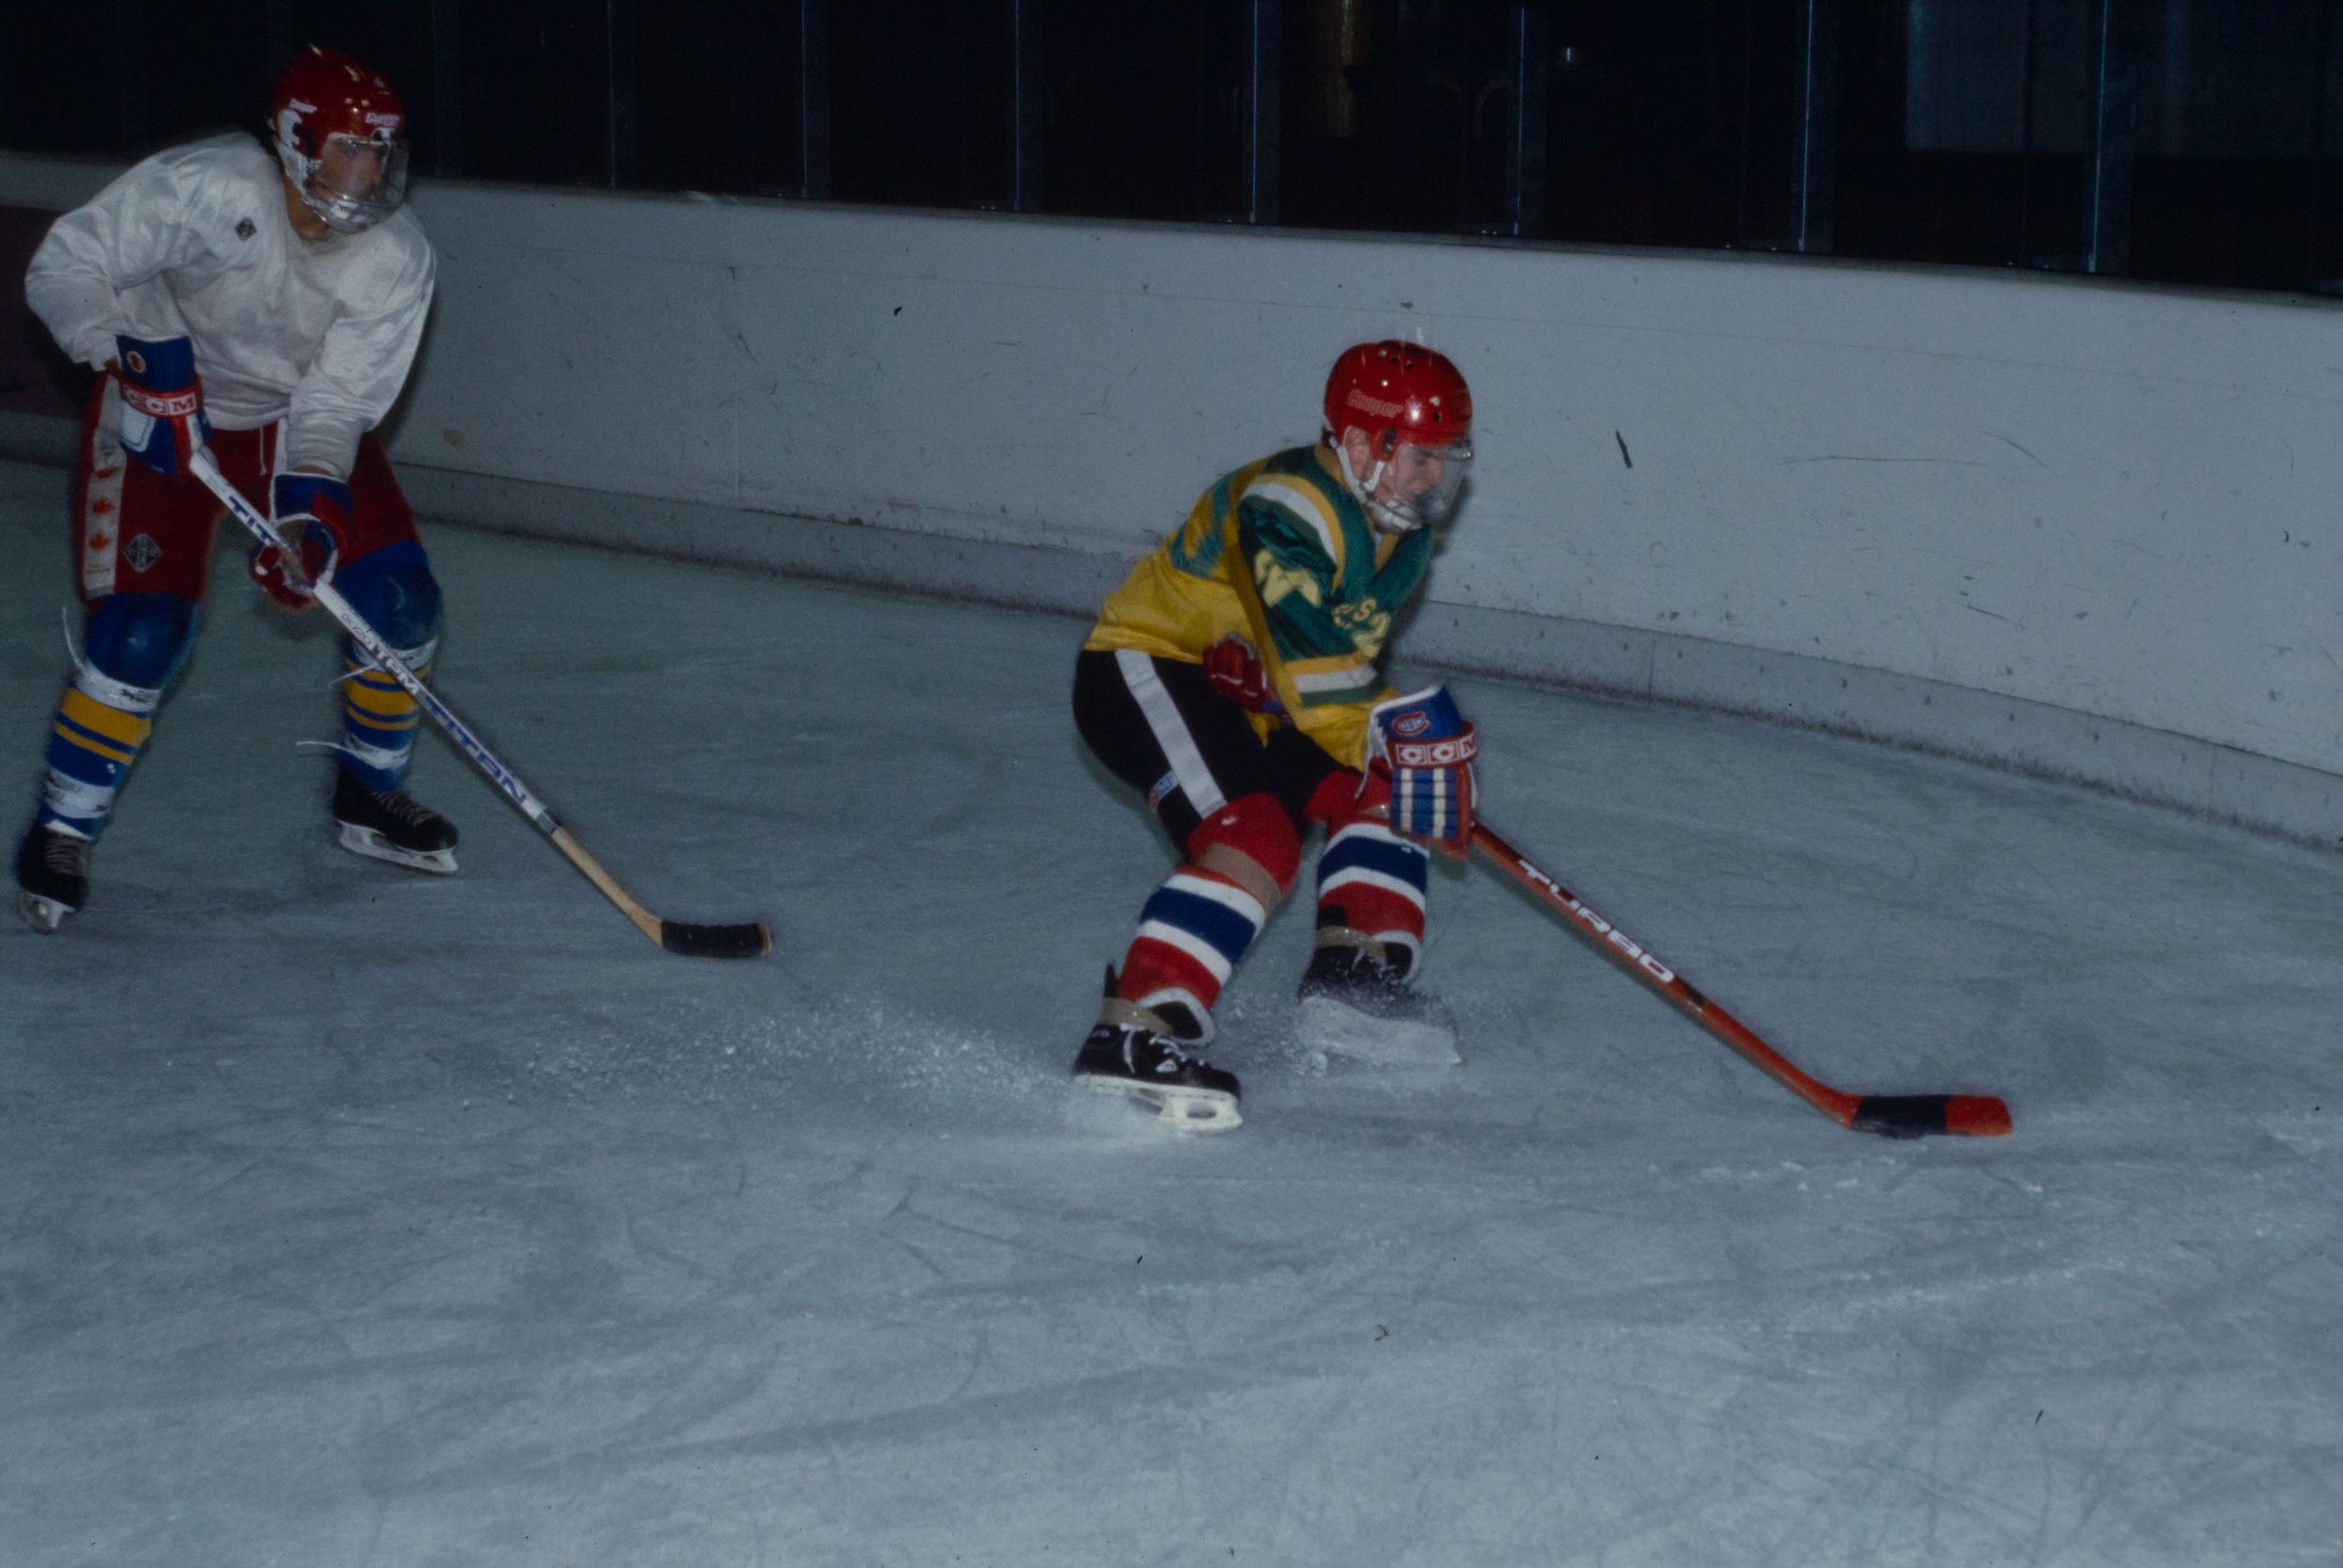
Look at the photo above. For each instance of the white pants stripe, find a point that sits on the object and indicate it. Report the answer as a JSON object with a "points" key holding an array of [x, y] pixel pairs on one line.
{"points": [[1170, 732]]}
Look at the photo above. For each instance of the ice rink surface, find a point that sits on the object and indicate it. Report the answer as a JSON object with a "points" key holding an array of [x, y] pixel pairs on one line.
{"points": [[352, 1216]]}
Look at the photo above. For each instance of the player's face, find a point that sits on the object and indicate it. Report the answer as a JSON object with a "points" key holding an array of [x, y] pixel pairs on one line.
{"points": [[349, 167], [1413, 471], [354, 182], [1416, 486]]}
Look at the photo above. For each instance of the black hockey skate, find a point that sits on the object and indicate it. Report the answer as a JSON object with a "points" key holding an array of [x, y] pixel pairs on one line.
{"points": [[1356, 1002], [52, 878], [1139, 1051], [389, 825]]}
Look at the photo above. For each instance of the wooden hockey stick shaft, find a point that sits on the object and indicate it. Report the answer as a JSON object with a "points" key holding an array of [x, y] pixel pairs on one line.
{"points": [[1890, 1116], [745, 940]]}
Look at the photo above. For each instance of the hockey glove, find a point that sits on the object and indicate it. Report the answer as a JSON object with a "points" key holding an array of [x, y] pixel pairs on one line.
{"points": [[312, 514], [1427, 747], [162, 403], [1235, 672]]}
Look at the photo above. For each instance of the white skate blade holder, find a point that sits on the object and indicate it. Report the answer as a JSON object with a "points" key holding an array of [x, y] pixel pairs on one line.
{"points": [[44, 915], [1323, 1023], [367, 842], [1182, 1109]]}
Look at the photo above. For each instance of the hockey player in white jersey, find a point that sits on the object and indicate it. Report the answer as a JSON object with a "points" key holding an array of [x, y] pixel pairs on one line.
{"points": [[265, 300]]}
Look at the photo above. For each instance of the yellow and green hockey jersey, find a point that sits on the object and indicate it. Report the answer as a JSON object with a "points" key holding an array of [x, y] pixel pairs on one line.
{"points": [[1281, 554]]}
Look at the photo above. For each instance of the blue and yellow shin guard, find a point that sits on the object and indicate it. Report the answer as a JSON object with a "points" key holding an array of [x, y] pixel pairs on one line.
{"points": [[394, 590], [135, 644]]}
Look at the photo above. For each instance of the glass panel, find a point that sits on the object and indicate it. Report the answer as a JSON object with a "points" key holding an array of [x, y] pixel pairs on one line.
{"points": [[1143, 108], [1672, 123], [2228, 99], [535, 92], [719, 96], [46, 107], [1394, 115], [919, 97], [1967, 132], [202, 69], [2326, 202]]}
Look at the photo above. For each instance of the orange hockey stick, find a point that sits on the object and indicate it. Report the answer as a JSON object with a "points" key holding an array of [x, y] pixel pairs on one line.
{"points": [[1890, 1116]]}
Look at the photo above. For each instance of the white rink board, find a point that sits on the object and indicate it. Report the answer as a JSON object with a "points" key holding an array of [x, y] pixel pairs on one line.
{"points": [[1906, 493]]}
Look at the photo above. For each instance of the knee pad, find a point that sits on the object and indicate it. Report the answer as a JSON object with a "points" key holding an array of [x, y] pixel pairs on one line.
{"points": [[1257, 828], [394, 591], [140, 639]]}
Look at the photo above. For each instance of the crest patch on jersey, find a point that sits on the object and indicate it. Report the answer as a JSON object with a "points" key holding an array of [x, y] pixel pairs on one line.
{"points": [[142, 553]]}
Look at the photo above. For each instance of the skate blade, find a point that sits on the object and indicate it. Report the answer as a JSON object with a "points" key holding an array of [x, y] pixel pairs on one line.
{"points": [[1325, 1025], [1181, 1109], [367, 842], [44, 915]]}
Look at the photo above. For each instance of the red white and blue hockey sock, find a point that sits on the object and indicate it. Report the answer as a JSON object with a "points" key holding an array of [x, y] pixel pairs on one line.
{"points": [[101, 725], [379, 718], [1193, 932], [1371, 881]]}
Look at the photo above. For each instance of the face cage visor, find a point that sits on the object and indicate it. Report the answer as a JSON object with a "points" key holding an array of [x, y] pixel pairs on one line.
{"points": [[1423, 482], [355, 184]]}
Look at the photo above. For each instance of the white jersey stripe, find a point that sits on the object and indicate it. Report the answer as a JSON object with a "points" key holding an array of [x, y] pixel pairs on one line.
{"points": [[1357, 676], [1303, 505], [1171, 731]]}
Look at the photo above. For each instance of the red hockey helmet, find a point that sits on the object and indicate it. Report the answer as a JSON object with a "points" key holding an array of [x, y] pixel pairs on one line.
{"points": [[1415, 412], [340, 133], [1396, 391]]}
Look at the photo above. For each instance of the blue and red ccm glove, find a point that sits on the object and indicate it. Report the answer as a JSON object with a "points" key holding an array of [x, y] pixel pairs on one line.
{"points": [[162, 402], [312, 513], [1427, 747]]}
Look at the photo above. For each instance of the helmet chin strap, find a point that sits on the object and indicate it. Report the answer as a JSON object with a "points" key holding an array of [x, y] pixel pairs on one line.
{"points": [[1386, 517]]}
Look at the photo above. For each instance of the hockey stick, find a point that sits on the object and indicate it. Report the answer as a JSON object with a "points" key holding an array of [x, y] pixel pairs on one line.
{"points": [[745, 940], [1890, 1116]]}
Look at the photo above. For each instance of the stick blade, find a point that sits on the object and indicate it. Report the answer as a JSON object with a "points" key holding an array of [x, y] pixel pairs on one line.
{"points": [[745, 940], [1920, 1116]]}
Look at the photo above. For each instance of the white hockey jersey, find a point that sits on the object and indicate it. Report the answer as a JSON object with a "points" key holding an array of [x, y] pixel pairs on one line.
{"points": [[195, 241]]}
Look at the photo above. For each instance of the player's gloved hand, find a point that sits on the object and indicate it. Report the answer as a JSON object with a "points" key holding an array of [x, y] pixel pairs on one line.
{"points": [[1235, 672], [162, 402], [1427, 748], [312, 514]]}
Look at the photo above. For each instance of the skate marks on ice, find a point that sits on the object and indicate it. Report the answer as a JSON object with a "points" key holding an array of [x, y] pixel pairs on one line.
{"points": [[887, 1058]]}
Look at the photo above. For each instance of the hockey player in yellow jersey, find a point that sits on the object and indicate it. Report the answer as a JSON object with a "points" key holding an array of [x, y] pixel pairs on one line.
{"points": [[1235, 680]]}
